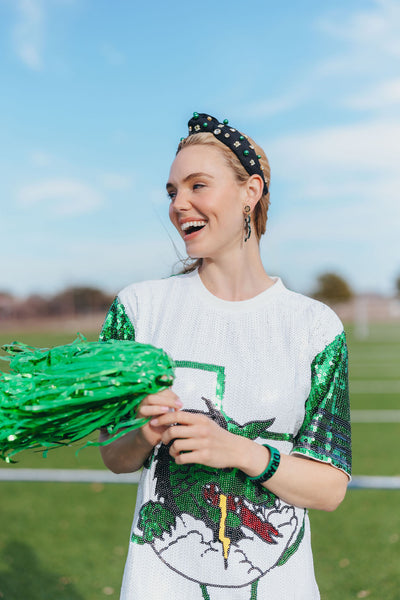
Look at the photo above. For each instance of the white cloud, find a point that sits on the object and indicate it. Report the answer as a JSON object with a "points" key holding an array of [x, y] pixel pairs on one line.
{"points": [[28, 33], [65, 197], [370, 147], [274, 106], [368, 49], [371, 39], [360, 26], [380, 96]]}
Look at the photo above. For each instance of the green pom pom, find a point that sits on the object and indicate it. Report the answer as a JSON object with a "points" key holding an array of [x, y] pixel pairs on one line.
{"points": [[59, 396], [195, 115], [225, 121], [246, 152]]}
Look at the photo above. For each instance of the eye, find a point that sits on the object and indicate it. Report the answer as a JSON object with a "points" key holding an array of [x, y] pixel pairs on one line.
{"points": [[171, 195], [198, 186]]}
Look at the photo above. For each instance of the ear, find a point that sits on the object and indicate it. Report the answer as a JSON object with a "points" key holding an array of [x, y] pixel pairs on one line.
{"points": [[253, 190]]}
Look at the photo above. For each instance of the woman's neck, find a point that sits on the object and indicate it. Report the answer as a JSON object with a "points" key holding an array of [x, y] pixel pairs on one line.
{"points": [[237, 277]]}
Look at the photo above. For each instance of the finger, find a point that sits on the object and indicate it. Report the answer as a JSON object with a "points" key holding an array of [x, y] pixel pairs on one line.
{"points": [[174, 432], [182, 445], [190, 457], [164, 399], [152, 411], [184, 418], [168, 393]]}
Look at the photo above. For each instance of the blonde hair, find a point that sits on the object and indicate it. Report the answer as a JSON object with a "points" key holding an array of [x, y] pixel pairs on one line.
{"points": [[260, 214]]}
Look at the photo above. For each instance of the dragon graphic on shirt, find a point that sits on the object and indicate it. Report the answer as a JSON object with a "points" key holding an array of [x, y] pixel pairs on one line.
{"points": [[233, 529]]}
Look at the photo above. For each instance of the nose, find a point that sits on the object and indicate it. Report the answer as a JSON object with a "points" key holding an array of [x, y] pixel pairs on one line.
{"points": [[181, 201]]}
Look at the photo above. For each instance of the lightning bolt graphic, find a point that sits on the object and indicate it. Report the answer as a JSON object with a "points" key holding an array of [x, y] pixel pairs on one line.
{"points": [[225, 541]]}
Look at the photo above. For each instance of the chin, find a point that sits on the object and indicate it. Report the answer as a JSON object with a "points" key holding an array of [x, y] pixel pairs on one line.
{"points": [[193, 252]]}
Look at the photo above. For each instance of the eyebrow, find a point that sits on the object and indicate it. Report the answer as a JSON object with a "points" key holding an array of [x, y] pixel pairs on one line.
{"points": [[188, 178]]}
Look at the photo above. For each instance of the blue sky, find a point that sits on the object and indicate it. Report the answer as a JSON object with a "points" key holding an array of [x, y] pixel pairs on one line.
{"points": [[96, 94]]}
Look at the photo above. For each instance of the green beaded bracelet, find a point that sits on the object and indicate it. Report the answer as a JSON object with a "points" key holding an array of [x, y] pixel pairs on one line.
{"points": [[271, 467]]}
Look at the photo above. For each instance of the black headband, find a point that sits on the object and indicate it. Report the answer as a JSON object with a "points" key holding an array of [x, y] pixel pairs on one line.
{"points": [[236, 141]]}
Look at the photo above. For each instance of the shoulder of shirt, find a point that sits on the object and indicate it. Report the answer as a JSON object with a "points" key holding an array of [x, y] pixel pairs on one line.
{"points": [[323, 323], [307, 305], [151, 286]]}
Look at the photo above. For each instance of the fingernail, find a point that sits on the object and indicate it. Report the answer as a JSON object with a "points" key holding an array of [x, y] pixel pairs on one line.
{"points": [[178, 403], [154, 421]]}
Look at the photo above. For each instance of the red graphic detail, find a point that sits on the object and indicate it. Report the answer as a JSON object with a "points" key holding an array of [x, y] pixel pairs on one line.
{"points": [[248, 518]]}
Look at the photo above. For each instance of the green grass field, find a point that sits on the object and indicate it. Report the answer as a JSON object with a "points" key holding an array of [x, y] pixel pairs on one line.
{"points": [[62, 541]]}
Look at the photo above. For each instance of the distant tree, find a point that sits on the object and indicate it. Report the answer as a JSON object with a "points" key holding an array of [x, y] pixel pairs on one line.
{"points": [[398, 286], [7, 304], [5, 295], [332, 288], [79, 300], [34, 306]]}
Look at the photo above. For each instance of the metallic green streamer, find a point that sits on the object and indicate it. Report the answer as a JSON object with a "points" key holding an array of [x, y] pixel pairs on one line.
{"points": [[55, 397]]}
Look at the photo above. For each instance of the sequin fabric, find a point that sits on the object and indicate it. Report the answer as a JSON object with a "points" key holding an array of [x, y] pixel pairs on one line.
{"points": [[211, 533], [220, 371], [117, 325], [325, 432]]}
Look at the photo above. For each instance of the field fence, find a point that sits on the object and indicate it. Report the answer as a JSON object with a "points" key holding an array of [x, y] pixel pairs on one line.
{"points": [[375, 416], [103, 476]]}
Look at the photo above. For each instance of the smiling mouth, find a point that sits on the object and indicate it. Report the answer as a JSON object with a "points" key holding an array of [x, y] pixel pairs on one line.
{"points": [[192, 226]]}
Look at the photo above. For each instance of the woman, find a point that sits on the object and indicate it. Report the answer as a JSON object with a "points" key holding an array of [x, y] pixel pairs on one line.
{"points": [[256, 429]]}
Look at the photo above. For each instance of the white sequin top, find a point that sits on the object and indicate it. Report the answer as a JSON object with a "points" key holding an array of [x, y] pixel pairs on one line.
{"points": [[272, 368]]}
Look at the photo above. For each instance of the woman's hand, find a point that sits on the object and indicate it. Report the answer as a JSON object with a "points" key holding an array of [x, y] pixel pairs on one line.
{"points": [[198, 439], [155, 406], [128, 453]]}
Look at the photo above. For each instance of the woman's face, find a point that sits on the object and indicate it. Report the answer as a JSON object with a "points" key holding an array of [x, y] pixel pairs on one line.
{"points": [[206, 202]]}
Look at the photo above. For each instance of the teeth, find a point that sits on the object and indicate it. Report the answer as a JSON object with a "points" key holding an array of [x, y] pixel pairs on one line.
{"points": [[185, 226]]}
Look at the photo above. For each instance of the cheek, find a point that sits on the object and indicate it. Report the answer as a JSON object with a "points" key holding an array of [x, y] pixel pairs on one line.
{"points": [[234, 218], [172, 216]]}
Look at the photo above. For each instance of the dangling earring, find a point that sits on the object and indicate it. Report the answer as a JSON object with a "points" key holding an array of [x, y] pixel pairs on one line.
{"points": [[247, 226]]}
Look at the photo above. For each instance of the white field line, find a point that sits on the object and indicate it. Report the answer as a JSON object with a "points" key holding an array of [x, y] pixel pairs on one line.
{"points": [[365, 386], [100, 476], [67, 475], [374, 483], [375, 416]]}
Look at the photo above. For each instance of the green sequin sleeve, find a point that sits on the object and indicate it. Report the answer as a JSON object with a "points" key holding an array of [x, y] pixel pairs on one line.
{"points": [[325, 434], [117, 325]]}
